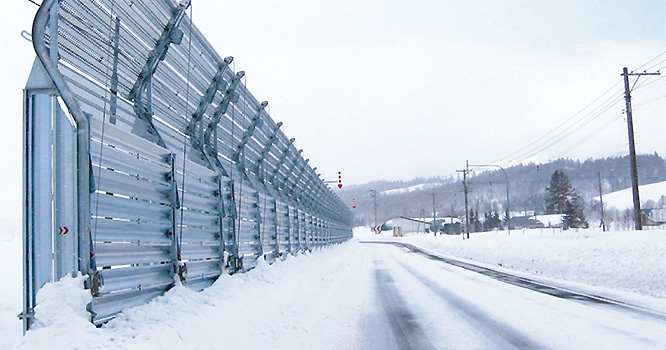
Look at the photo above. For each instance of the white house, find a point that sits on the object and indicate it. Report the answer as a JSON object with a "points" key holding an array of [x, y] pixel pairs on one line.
{"points": [[408, 225], [411, 225]]}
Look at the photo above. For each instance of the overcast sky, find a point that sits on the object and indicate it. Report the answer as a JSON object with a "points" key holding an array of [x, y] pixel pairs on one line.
{"points": [[395, 89]]}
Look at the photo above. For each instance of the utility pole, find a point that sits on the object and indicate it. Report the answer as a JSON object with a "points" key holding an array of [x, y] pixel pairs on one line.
{"points": [[421, 219], [466, 191], [601, 200], [373, 193], [632, 147], [434, 215]]}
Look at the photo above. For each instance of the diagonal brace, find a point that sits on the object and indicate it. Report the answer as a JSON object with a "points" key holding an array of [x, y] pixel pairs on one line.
{"points": [[170, 35], [216, 84], [267, 148], [283, 158], [256, 121], [229, 96], [297, 176]]}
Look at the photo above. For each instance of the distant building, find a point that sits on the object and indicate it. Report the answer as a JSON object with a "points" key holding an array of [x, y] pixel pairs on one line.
{"points": [[448, 225], [408, 225], [520, 222], [551, 220], [653, 217], [536, 221]]}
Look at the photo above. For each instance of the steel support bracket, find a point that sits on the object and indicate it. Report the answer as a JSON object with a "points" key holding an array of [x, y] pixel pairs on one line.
{"points": [[283, 158], [266, 149], [175, 205], [216, 84], [296, 159], [256, 122], [293, 170], [229, 96], [309, 184], [234, 263], [170, 35]]}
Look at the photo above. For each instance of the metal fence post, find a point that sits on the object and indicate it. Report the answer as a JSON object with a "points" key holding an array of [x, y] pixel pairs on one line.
{"points": [[37, 190]]}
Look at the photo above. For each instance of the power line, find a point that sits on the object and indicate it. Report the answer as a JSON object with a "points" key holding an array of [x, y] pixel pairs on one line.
{"points": [[650, 61], [589, 136], [518, 153], [575, 124], [650, 101], [553, 138]]}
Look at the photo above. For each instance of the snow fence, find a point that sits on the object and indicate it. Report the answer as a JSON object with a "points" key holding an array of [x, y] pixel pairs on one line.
{"points": [[147, 159]]}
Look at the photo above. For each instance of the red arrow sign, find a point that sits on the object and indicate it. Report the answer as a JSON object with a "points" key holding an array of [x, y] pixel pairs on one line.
{"points": [[63, 230]]}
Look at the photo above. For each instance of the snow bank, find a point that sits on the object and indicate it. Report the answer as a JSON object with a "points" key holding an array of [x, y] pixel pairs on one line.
{"points": [[272, 307], [61, 308], [62, 302], [11, 288]]}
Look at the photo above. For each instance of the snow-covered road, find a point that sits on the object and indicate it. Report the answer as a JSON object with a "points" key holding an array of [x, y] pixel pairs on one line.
{"points": [[445, 307], [351, 296]]}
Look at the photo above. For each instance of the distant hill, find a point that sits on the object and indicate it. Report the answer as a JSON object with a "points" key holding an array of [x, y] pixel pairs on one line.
{"points": [[527, 185], [654, 195]]}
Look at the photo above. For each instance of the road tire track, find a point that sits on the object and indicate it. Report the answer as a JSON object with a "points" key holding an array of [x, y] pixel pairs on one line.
{"points": [[404, 325], [503, 335]]}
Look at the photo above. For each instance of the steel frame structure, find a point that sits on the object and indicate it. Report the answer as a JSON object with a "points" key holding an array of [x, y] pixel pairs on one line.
{"points": [[148, 161]]}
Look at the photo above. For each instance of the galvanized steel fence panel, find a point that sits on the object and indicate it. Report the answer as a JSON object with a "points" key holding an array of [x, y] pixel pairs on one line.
{"points": [[164, 165]]}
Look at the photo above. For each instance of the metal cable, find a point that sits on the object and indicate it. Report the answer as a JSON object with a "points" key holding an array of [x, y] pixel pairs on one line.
{"points": [[538, 145], [650, 61], [107, 89], [587, 137], [527, 149], [185, 138], [565, 133]]}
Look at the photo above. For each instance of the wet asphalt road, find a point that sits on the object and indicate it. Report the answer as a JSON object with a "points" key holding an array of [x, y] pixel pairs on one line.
{"points": [[419, 305]]}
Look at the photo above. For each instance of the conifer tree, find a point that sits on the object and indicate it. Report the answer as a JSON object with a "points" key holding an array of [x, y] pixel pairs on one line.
{"points": [[474, 220], [492, 221], [574, 215], [563, 199], [559, 192]]}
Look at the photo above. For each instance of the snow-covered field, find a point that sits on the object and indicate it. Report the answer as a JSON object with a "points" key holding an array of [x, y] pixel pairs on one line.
{"points": [[320, 299], [623, 199], [411, 188]]}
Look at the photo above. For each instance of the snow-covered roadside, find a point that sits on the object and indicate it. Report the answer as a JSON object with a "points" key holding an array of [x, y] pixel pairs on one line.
{"points": [[318, 300], [626, 265], [274, 307], [11, 288]]}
